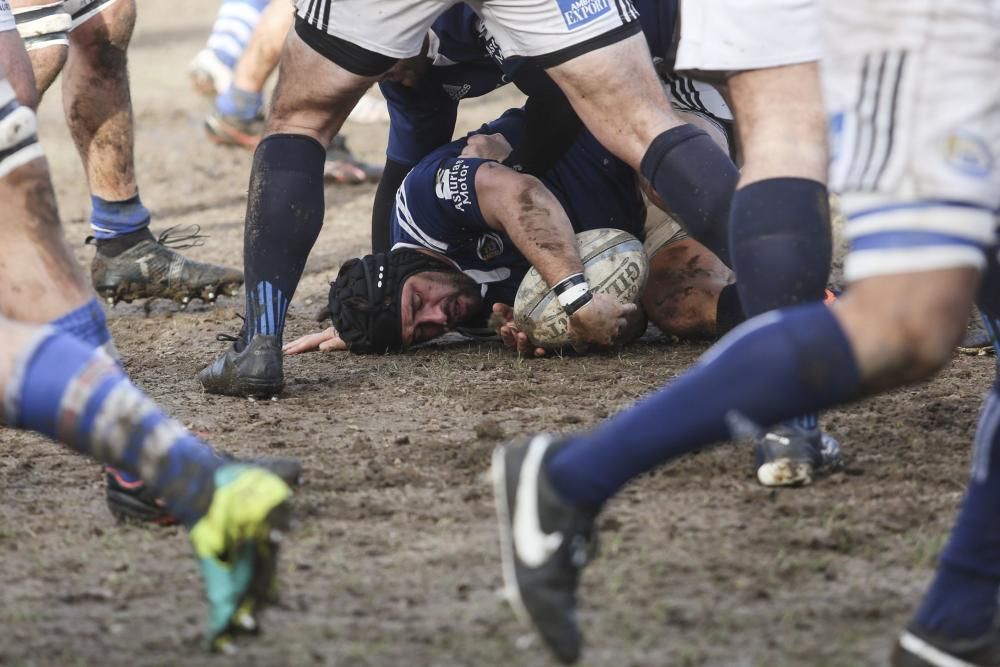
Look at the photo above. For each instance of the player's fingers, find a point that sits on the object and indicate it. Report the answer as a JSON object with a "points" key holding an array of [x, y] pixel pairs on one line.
{"points": [[539, 351], [306, 343], [507, 335], [332, 345]]}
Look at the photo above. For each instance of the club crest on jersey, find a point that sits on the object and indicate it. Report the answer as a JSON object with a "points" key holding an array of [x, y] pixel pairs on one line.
{"points": [[489, 246], [969, 153], [452, 183], [578, 13]]}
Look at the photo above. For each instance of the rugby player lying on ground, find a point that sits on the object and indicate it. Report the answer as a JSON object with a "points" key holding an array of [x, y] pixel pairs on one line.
{"points": [[466, 229]]}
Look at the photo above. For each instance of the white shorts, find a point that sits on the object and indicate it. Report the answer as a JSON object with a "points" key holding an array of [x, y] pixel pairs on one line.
{"points": [[914, 109], [6, 17], [50, 24], [738, 35], [537, 28]]}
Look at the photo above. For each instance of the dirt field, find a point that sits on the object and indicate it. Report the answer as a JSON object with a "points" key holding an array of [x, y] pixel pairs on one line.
{"points": [[393, 560]]}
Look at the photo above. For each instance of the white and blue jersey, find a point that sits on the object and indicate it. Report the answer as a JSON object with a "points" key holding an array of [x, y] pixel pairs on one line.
{"points": [[437, 208]]}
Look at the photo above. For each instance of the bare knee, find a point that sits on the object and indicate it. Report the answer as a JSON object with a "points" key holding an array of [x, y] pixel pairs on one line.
{"points": [[904, 328], [103, 39]]}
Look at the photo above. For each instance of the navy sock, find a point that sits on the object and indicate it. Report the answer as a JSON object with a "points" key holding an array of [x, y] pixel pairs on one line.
{"points": [[768, 369], [243, 104], [87, 323], [285, 211], [962, 601], [781, 243], [782, 247], [695, 178], [68, 391], [111, 219]]}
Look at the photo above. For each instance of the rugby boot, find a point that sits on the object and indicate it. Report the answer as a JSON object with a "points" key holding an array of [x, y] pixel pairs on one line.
{"points": [[344, 168], [916, 648], [208, 74], [544, 543], [978, 340], [236, 544], [792, 455], [230, 130], [131, 499], [151, 268], [253, 369]]}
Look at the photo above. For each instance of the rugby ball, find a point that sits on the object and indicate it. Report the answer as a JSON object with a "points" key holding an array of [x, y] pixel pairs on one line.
{"points": [[614, 262]]}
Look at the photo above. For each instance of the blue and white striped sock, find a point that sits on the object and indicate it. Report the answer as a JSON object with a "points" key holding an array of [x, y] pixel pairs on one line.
{"points": [[73, 393], [233, 27]]}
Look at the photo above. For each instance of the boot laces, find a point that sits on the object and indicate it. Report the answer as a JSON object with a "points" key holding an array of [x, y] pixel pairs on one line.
{"points": [[182, 237]]}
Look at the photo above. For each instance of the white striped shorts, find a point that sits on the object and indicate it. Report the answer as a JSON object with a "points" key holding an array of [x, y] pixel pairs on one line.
{"points": [[914, 109], [49, 24], [396, 28]]}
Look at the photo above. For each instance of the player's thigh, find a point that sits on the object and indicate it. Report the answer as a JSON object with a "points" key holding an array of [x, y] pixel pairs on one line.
{"points": [[781, 123], [624, 112], [595, 51], [299, 105], [99, 24]]}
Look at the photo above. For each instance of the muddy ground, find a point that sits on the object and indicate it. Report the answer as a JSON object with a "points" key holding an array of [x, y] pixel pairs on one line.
{"points": [[393, 560]]}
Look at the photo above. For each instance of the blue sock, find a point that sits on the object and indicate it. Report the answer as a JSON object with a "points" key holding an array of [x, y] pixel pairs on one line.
{"points": [[782, 247], [70, 392], [696, 179], [962, 600], [86, 323], [768, 369], [243, 104], [111, 219], [233, 27], [284, 217]]}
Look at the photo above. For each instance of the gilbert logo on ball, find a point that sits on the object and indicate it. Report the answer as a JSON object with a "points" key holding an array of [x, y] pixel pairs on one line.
{"points": [[614, 262]]}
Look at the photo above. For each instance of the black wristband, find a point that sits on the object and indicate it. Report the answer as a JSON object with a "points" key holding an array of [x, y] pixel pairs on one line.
{"points": [[568, 282], [586, 298]]}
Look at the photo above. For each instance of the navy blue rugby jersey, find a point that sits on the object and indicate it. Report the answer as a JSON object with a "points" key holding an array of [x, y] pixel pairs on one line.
{"points": [[437, 207]]}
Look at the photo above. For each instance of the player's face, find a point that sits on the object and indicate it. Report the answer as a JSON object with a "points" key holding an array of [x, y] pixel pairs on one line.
{"points": [[435, 302]]}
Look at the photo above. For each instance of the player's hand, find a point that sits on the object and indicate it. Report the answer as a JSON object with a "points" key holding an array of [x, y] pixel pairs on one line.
{"points": [[599, 322], [324, 341], [512, 337], [487, 147]]}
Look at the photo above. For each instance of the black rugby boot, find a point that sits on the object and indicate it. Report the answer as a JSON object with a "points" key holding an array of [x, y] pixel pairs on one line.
{"points": [[253, 369], [790, 455], [544, 543], [915, 648], [141, 266]]}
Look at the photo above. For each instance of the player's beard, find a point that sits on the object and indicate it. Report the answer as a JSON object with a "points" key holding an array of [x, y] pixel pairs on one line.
{"points": [[464, 304]]}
